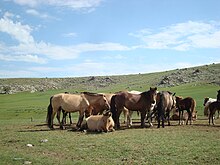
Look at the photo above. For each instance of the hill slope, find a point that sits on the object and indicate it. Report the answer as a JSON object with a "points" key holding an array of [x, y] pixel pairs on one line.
{"points": [[207, 74]]}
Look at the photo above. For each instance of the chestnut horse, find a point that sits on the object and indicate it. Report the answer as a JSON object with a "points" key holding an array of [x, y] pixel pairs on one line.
{"points": [[187, 104], [73, 103], [134, 102], [165, 103], [212, 108]]}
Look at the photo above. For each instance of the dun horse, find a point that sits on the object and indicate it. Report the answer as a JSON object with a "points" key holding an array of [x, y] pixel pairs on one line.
{"points": [[135, 102], [165, 103], [93, 109], [187, 104], [73, 103]]}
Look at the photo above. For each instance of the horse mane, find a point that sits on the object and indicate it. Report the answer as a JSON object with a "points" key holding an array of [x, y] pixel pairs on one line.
{"points": [[92, 94], [179, 97]]}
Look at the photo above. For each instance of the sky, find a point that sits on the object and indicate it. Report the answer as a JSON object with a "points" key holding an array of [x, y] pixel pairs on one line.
{"points": [[77, 38]]}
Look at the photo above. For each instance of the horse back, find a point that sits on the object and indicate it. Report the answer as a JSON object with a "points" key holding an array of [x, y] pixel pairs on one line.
{"points": [[69, 102], [214, 106], [165, 100], [134, 101], [187, 103]]}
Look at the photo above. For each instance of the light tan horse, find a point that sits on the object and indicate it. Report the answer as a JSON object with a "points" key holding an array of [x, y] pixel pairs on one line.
{"points": [[73, 103]]}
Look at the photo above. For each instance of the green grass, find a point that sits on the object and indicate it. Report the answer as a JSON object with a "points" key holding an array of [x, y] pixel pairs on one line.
{"points": [[22, 122]]}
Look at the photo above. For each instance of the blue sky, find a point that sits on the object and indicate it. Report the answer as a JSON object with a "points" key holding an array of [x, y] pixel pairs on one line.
{"points": [[74, 38]]}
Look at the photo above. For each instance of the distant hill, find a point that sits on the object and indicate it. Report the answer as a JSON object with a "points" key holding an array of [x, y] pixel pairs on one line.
{"points": [[207, 74]]}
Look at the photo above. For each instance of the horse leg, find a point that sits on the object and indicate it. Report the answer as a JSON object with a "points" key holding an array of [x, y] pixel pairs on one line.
{"points": [[53, 115], [209, 118], [143, 117], [168, 118], [162, 115], [179, 116], [63, 120], [117, 117], [158, 120], [213, 119], [129, 119], [149, 118], [189, 117], [58, 116], [80, 119], [218, 115], [158, 117], [70, 118], [182, 120], [126, 113]]}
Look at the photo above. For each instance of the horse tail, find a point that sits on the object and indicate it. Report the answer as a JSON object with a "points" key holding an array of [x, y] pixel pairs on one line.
{"points": [[193, 105], [160, 104], [113, 108], [160, 113], [49, 113]]}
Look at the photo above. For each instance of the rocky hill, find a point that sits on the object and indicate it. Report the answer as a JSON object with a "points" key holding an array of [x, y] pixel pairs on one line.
{"points": [[208, 74]]}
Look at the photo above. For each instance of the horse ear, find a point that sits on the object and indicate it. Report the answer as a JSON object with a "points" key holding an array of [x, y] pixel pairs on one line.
{"points": [[174, 94], [153, 88]]}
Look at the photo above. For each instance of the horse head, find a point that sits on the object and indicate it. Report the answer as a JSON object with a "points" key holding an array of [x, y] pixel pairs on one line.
{"points": [[206, 99], [153, 95], [106, 103]]}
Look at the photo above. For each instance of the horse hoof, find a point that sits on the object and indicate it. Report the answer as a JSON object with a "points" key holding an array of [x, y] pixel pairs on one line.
{"points": [[62, 127]]}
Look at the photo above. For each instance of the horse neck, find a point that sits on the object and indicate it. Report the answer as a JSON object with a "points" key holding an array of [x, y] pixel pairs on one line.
{"points": [[146, 96]]}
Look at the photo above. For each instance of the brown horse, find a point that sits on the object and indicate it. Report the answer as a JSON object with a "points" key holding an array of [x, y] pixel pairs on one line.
{"points": [[73, 103], [98, 108], [212, 108], [134, 102], [187, 104], [165, 103], [207, 101]]}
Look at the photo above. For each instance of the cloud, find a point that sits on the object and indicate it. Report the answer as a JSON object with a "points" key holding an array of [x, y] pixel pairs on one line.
{"points": [[39, 14], [16, 29], [23, 58], [71, 35], [88, 5], [181, 36], [28, 49]]}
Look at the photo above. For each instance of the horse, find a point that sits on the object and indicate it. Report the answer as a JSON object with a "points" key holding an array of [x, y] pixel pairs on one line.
{"points": [[97, 108], [128, 113], [207, 101], [212, 108], [99, 123], [175, 115], [187, 104], [73, 103], [135, 102], [165, 103]]}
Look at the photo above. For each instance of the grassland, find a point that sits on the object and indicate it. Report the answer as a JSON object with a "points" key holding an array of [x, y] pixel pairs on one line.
{"points": [[22, 122]]}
